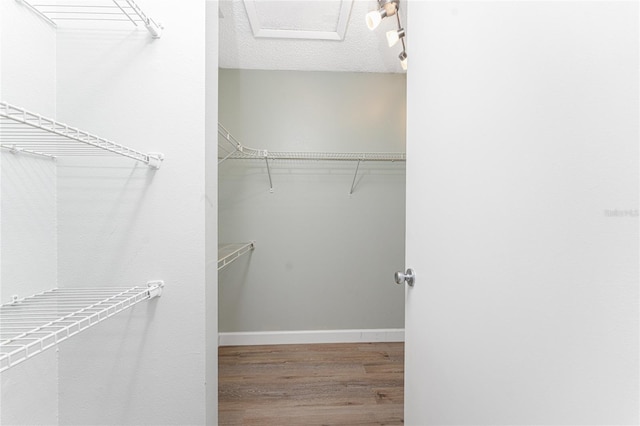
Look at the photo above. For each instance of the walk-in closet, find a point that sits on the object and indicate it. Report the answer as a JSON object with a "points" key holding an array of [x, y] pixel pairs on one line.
{"points": [[311, 195]]}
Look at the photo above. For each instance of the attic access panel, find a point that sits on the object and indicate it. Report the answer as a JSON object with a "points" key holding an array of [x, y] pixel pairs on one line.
{"points": [[316, 20]]}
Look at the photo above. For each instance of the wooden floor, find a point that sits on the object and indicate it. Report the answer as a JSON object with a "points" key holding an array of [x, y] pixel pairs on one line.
{"points": [[327, 384]]}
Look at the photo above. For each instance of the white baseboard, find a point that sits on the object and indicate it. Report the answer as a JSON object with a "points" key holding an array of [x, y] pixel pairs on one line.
{"points": [[310, 336]]}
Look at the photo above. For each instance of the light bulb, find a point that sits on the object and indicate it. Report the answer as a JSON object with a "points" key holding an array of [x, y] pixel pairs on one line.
{"points": [[394, 35], [374, 18]]}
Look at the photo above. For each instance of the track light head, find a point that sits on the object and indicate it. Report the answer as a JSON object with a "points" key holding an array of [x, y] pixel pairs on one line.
{"points": [[403, 60], [394, 36], [374, 18], [387, 8]]}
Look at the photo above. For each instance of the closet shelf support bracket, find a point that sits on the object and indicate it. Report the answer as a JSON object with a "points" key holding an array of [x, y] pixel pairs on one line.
{"points": [[154, 28], [155, 159], [155, 288], [227, 156], [266, 160], [355, 175]]}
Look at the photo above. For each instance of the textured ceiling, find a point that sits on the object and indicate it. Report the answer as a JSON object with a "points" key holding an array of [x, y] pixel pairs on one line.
{"points": [[305, 35]]}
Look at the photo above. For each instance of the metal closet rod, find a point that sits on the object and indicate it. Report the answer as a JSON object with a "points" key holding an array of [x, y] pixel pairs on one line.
{"points": [[240, 151]]}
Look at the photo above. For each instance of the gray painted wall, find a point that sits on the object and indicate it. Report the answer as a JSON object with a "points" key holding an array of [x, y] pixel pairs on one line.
{"points": [[324, 260]]}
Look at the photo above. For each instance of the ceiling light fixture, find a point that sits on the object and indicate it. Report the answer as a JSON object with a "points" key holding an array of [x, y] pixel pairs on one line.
{"points": [[373, 19]]}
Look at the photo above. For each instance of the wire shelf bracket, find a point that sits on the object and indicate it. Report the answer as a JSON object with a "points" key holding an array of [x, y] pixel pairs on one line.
{"points": [[355, 175], [112, 11], [232, 149], [228, 253], [34, 324], [24, 131]]}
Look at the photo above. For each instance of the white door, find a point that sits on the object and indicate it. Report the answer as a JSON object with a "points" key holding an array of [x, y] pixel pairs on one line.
{"points": [[522, 213]]}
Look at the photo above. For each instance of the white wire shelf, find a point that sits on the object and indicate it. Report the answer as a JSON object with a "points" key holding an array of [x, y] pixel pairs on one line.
{"points": [[24, 131], [31, 325], [231, 148], [104, 11], [227, 253]]}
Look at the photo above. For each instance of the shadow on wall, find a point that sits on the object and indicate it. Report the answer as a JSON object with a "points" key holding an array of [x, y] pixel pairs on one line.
{"points": [[99, 207]]}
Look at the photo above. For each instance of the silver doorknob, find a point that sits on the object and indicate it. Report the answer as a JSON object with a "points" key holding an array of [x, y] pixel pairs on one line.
{"points": [[409, 277]]}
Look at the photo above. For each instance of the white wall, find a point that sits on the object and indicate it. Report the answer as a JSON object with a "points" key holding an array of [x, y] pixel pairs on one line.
{"points": [[28, 65], [523, 130], [28, 191], [118, 223], [29, 390], [324, 260], [28, 208], [121, 224]]}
